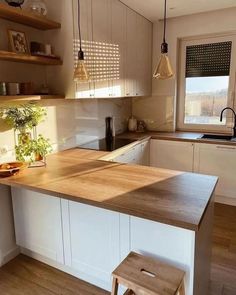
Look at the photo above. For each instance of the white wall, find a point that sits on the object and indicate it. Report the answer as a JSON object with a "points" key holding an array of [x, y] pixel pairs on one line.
{"points": [[71, 122], [159, 110]]}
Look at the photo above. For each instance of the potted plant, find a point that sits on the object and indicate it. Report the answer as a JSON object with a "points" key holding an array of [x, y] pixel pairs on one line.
{"points": [[24, 120], [34, 150]]}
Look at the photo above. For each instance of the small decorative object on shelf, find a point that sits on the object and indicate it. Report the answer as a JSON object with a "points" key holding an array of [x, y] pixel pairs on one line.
{"points": [[15, 3], [141, 126], [28, 146], [3, 88], [38, 7], [44, 90], [40, 49], [18, 42]]}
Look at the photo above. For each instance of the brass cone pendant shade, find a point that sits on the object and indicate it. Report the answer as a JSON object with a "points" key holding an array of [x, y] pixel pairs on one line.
{"points": [[80, 74], [164, 69]]}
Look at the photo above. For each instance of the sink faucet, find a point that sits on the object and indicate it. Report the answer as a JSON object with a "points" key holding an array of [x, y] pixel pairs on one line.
{"points": [[221, 119]]}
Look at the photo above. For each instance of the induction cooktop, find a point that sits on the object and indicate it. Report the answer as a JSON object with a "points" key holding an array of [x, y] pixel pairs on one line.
{"points": [[106, 145]]}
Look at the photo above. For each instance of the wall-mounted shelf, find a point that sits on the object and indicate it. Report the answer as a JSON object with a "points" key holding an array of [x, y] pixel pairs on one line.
{"points": [[26, 58], [29, 97], [26, 18]]}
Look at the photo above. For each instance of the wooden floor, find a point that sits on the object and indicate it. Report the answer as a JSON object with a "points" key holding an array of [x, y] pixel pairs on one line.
{"points": [[25, 276], [223, 270]]}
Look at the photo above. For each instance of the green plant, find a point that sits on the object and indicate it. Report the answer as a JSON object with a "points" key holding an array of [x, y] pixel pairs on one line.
{"points": [[23, 117], [30, 150]]}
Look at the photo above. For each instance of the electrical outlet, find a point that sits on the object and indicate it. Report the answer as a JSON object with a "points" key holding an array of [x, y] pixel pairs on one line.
{"points": [[3, 150]]}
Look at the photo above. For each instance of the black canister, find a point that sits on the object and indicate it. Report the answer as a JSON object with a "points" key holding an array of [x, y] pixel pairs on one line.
{"points": [[109, 131]]}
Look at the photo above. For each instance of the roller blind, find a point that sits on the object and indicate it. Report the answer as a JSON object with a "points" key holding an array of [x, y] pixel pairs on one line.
{"points": [[206, 60]]}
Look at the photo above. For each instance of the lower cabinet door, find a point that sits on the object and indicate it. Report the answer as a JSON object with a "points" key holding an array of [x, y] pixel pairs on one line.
{"points": [[145, 153], [173, 155], [95, 243], [218, 160], [129, 156], [38, 223]]}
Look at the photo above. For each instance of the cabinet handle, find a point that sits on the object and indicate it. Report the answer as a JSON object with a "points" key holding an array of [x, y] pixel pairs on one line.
{"points": [[127, 93], [225, 147]]}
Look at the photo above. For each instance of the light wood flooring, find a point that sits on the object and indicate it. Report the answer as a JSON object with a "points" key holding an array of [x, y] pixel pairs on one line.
{"points": [[25, 276], [223, 270]]}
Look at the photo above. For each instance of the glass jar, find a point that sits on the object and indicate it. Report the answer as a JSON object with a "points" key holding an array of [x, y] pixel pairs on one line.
{"points": [[37, 7]]}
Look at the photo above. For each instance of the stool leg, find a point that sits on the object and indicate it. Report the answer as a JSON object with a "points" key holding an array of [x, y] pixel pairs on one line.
{"points": [[114, 287], [182, 289]]}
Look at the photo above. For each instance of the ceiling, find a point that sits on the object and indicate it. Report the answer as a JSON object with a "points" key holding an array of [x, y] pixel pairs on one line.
{"points": [[153, 9]]}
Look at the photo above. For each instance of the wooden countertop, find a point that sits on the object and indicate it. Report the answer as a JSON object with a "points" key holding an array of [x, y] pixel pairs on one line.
{"points": [[175, 136], [165, 196]]}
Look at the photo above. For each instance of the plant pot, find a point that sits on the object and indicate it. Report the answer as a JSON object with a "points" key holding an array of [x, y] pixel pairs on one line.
{"points": [[38, 157]]}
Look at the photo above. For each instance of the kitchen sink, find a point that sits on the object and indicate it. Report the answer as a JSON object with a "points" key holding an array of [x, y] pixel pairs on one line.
{"points": [[218, 137]]}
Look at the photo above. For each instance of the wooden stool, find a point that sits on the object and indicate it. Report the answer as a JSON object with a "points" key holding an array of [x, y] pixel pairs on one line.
{"points": [[146, 276]]}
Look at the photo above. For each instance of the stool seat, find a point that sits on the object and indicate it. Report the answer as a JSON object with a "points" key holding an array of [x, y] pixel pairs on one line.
{"points": [[147, 276]]}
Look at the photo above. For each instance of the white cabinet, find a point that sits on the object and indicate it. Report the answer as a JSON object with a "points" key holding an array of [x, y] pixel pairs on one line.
{"points": [[101, 20], [117, 43], [38, 224], [173, 155], [131, 51], [130, 156], [138, 51], [118, 38], [138, 154], [145, 153], [173, 245], [95, 242], [143, 64], [219, 160]]}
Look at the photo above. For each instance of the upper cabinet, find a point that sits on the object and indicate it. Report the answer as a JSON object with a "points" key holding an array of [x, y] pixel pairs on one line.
{"points": [[118, 50]]}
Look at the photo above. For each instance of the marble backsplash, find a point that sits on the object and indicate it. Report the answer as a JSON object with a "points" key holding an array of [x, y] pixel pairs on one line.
{"points": [[71, 122], [158, 112]]}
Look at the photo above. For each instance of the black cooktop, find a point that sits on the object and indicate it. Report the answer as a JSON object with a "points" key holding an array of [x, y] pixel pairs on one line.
{"points": [[106, 145]]}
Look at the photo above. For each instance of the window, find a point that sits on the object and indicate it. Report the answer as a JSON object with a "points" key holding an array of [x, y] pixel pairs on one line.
{"points": [[206, 83]]}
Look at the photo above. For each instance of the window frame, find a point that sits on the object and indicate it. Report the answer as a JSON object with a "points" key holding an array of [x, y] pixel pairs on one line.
{"points": [[182, 84]]}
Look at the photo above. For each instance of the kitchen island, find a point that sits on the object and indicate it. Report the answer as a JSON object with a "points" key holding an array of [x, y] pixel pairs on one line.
{"points": [[83, 216]]}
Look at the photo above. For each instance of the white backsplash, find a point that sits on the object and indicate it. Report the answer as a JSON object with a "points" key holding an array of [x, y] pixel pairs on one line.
{"points": [[157, 112], [73, 122]]}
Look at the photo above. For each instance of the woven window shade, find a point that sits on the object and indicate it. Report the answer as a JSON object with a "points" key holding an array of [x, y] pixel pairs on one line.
{"points": [[206, 60]]}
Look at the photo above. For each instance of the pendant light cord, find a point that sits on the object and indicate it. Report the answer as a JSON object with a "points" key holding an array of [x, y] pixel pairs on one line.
{"points": [[80, 41], [164, 34]]}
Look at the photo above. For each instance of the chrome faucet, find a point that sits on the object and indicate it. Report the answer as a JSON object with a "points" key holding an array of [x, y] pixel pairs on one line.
{"points": [[221, 119]]}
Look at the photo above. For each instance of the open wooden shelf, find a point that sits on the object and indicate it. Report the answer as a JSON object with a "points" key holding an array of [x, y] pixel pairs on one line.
{"points": [[29, 97], [26, 58], [26, 18]]}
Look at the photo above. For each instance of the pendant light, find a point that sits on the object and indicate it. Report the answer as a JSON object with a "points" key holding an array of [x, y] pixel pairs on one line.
{"points": [[80, 73], [164, 69]]}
